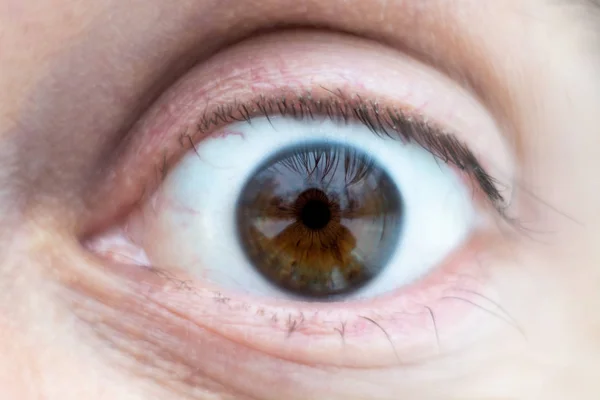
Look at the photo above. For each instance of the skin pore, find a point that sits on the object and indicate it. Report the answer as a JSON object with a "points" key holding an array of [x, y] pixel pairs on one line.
{"points": [[85, 84]]}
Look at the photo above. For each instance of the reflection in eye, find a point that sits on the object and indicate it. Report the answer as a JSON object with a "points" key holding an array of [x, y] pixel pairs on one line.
{"points": [[319, 220], [234, 209]]}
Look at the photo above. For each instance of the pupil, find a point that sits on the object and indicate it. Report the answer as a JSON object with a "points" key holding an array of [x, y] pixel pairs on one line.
{"points": [[315, 214]]}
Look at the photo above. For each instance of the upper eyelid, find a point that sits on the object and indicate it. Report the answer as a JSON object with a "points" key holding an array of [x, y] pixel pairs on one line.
{"points": [[380, 117], [216, 84], [154, 144]]}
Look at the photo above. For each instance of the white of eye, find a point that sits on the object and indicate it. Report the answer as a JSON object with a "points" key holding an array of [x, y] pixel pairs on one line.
{"points": [[197, 227]]}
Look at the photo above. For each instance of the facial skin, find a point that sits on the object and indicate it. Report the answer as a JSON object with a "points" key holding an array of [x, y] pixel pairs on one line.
{"points": [[85, 84]]}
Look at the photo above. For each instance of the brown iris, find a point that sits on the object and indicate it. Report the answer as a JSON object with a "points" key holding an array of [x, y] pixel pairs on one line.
{"points": [[319, 220]]}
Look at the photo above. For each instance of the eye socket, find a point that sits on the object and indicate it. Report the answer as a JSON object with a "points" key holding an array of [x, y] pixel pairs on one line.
{"points": [[231, 128]]}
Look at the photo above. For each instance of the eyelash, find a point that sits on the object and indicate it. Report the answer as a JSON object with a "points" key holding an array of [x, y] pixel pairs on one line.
{"points": [[306, 160], [340, 107]]}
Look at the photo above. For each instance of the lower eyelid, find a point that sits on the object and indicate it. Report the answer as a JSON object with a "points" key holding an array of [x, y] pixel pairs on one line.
{"points": [[424, 320]]}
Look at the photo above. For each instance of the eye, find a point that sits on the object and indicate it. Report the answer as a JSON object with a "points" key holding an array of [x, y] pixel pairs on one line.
{"points": [[314, 207], [315, 196]]}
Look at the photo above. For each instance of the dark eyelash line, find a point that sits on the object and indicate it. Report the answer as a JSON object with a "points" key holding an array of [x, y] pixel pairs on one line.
{"points": [[390, 122], [323, 162]]}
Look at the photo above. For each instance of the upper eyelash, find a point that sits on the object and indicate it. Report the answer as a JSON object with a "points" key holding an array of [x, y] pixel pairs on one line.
{"points": [[307, 159], [383, 121]]}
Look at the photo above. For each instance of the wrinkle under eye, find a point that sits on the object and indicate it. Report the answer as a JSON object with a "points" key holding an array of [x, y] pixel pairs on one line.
{"points": [[319, 220]]}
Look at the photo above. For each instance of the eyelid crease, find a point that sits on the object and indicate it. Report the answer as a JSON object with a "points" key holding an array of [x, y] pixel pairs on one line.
{"points": [[392, 122]]}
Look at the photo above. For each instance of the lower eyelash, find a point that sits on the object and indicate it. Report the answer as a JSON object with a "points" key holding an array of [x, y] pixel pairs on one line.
{"points": [[293, 326], [382, 121]]}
